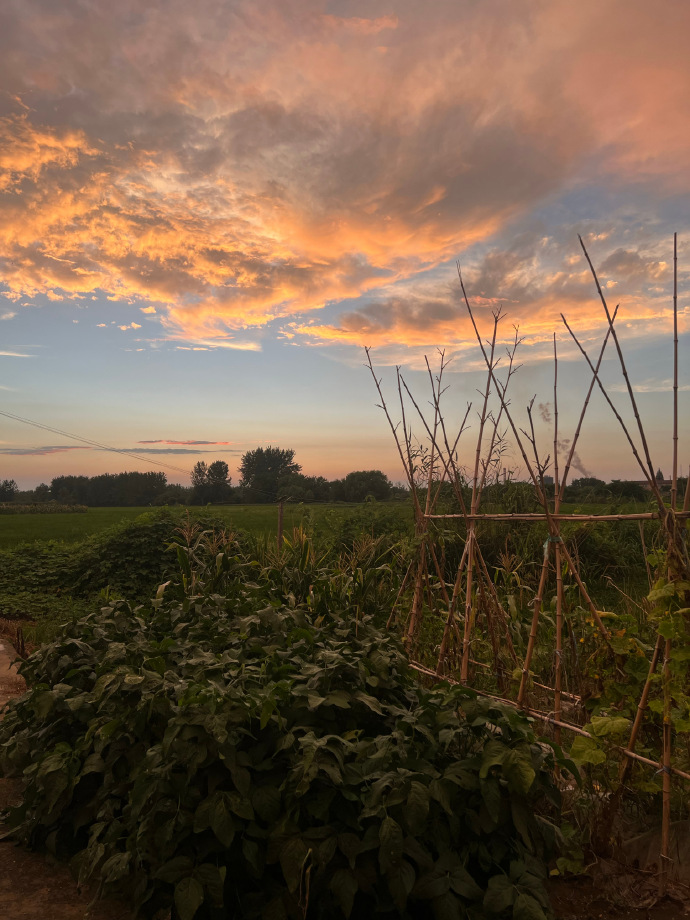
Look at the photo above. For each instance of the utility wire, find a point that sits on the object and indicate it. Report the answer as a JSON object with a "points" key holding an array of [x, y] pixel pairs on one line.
{"points": [[76, 437]]}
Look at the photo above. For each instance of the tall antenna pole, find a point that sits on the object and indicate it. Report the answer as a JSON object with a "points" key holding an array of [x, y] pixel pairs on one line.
{"points": [[674, 483]]}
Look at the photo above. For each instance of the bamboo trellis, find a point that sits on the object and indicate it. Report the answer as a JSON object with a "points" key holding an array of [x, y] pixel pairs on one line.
{"points": [[470, 598]]}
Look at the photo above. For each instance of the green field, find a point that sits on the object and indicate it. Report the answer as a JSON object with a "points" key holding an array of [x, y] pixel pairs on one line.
{"points": [[255, 519]]}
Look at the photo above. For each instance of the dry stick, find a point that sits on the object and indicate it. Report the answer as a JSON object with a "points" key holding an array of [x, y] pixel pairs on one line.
{"points": [[398, 596], [576, 436], [407, 466], [406, 460], [533, 628], [420, 527], [641, 707], [650, 480], [542, 498], [674, 480], [464, 669], [559, 574], [644, 553], [518, 440], [548, 719], [450, 619], [494, 596], [447, 464], [624, 369], [666, 772], [534, 516], [567, 696]]}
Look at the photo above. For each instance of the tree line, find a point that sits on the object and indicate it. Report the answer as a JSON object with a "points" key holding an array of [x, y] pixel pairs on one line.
{"points": [[267, 474]]}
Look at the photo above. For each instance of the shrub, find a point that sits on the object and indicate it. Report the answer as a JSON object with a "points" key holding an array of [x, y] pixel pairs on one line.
{"points": [[231, 755]]}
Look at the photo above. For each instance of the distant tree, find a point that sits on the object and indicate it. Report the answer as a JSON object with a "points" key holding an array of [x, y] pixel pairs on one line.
{"points": [[628, 489], [42, 493], [199, 474], [128, 489], [659, 475], [360, 485], [8, 490], [174, 495], [262, 471], [210, 484], [301, 488]]}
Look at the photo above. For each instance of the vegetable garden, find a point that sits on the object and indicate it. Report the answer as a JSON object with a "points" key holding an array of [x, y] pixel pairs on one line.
{"points": [[370, 719]]}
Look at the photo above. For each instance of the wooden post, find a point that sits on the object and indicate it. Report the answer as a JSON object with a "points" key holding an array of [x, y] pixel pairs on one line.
{"points": [[674, 474], [280, 524]]}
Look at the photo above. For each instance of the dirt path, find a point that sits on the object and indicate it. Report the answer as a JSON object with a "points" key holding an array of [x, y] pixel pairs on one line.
{"points": [[31, 887]]}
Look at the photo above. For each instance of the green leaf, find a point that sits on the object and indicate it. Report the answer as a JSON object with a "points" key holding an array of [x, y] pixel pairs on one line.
{"points": [[447, 907], [266, 801], [519, 772], [527, 908], [339, 698], [400, 880], [603, 726], [189, 896], [463, 884], [213, 879], [222, 822], [499, 894], [431, 885], [267, 711], [292, 858], [344, 886], [586, 750], [390, 844], [174, 869], [417, 807]]}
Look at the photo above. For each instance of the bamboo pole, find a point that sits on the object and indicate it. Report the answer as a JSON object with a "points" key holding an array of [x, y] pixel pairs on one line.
{"points": [[576, 436], [674, 477], [651, 481], [534, 517], [471, 535], [631, 394], [666, 773], [557, 554], [547, 718], [641, 707], [533, 629]]}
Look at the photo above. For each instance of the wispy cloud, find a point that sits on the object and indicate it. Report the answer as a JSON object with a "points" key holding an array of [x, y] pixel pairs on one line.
{"points": [[650, 386], [61, 448], [188, 443], [38, 451], [15, 354], [8, 315]]}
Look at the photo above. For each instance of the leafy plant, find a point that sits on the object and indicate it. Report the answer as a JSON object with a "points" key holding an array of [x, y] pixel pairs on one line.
{"points": [[231, 753]]}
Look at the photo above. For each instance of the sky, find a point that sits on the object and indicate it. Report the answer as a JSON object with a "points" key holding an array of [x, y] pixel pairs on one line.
{"points": [[208, 209]]}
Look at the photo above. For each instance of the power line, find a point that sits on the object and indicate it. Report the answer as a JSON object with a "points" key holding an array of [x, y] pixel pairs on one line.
{"points": [[76, 437]]}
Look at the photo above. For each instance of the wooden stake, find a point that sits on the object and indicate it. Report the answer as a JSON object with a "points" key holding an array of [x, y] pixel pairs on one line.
{"points": [[666, 774], [533, 630], [280, 525], [674, 478]]}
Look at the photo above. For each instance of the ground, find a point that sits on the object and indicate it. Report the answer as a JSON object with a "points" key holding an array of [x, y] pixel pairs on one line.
{"points": [[34, 887]]}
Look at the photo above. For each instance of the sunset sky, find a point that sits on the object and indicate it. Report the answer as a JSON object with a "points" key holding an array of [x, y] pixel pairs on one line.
{"points": [[207, 209]]}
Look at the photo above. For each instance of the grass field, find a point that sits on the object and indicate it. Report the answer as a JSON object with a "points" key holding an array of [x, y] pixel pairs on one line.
{"points": [[255, 519]]}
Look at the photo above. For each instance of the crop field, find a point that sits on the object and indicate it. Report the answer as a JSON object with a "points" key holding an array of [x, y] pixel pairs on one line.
{"points": [[253, 519], [340, 746]]}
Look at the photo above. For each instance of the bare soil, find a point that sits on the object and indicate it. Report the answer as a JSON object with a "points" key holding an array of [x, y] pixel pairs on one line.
{"points": [[32, 886]]}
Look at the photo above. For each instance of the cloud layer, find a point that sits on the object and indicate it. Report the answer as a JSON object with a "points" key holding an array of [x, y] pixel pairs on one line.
{"points": [[226, 165]]}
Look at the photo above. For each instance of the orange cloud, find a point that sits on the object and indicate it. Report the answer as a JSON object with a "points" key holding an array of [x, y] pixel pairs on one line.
{"points": [[223, 165]]}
